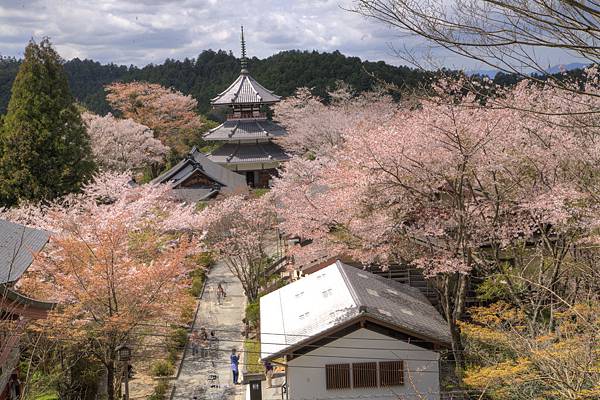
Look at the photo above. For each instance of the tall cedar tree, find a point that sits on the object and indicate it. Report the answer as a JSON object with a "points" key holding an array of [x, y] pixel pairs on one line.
{"points": [[44, 148]]}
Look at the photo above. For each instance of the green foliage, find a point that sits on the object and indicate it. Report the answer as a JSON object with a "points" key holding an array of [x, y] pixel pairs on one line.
{"points": [[162, 368], [260, 192], [160, 391], [44, 148], [47, 396], [253, 313], [178, 339], [252, 353], [198, 278], [8, 72], [205, 259], [212, 71]]}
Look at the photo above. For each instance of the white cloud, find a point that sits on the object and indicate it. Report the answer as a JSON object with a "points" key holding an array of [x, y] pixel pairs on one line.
{"points": [[144, 31]]}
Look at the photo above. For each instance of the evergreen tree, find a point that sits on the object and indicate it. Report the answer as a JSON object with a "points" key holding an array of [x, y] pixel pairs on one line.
{"points": [[44, 148]]}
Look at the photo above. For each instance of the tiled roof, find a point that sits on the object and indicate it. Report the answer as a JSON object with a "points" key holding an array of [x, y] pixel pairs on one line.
{"points": [[245, 90], [226, 180], [397, 303], [245, 129], [305, 310], [236, 153], [18, 243]]}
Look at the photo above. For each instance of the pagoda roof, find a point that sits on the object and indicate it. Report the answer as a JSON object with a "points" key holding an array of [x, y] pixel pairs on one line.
{"points": [[245, 90], [224, 180], [241, 129], [244, 153]]}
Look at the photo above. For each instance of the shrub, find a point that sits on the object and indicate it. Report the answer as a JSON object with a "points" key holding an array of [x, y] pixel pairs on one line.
{"points": [[198, 278], [253, 313], [177, 339], [252, 351], [162, 368], [160, 390]]}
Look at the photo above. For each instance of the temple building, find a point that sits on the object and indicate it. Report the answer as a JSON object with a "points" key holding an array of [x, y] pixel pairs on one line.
{"points": [[18, 244], [247, 134], [196, 178]]}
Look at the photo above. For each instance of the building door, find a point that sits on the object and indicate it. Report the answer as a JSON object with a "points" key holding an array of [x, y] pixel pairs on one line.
{"points": [[251, 178]]}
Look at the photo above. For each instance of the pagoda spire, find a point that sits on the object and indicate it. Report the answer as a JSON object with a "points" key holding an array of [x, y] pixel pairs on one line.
{"points": [[244, 59]]}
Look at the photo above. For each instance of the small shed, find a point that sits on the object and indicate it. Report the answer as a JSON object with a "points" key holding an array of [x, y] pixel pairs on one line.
{"points": [[342, 333]]}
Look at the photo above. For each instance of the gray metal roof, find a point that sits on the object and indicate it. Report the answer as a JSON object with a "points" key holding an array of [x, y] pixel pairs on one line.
{"points": [[396, 303], [339, 296], [245, 90], [225, 180], [243, 153], [18, 243], [242, 129]]}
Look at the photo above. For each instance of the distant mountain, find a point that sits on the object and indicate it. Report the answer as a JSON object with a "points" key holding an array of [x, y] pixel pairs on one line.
{"points": [[556, 69], [212, 71], [565, 67]]}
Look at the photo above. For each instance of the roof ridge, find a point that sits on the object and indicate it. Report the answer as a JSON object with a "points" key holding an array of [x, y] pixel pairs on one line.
{"points": [[340, 265], [250, 79], [262, 127], [235, 128], [237, 93]]}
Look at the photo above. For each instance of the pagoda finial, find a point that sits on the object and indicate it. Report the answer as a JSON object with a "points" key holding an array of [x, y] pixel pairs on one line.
{"points": [[244, 59]]}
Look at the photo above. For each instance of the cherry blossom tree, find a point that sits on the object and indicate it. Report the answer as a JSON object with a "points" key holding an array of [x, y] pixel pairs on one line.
{"points": [[117, 260], [169, 113], [315, 127], [122, 144], [240, 230], [452, 187]]}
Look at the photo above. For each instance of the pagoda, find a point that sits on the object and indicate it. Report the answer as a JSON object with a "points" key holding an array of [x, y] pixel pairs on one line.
{"points": [[247, 134]]}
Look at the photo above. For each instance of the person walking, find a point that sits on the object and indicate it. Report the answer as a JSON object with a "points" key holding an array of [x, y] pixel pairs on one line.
{"points": [[213, 344], [269, 373], [235, 361], [220, 293], [203, 339], [194, 341]]}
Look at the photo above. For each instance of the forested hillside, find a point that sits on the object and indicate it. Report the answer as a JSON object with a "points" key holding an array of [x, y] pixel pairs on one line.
{"points": [[212, 71]]}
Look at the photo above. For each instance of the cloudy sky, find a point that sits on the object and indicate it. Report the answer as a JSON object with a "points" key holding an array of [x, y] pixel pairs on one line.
{"points": [[143, 31]]}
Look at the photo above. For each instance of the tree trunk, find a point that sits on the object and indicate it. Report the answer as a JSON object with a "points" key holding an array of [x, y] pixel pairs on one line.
{"points": [[452, 293], [110, 381]]}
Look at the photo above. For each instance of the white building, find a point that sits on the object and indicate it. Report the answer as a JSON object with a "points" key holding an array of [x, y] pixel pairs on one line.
{"points": [[345, 333]]}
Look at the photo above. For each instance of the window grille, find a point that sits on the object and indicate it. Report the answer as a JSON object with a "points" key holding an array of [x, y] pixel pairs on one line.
{"points": [[391, 373], [364, 375], [337, 376]]}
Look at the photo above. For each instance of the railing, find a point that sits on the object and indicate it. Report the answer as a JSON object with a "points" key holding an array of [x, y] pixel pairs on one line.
{"points": [[276, 266], [243, 117]]}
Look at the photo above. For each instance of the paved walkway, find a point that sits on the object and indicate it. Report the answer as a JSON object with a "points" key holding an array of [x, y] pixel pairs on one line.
{"points": [[225, 320]]}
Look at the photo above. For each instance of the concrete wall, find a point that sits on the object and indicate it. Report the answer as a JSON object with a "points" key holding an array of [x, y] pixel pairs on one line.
{"points": [[306, 374]]}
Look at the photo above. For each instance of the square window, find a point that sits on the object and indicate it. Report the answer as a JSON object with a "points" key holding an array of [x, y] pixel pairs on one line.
{"points": [[364, 375], [391, 373], [337, 376]]}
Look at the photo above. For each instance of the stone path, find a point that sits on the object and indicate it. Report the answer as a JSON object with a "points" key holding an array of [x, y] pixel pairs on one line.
{"points": [[225, 320]]}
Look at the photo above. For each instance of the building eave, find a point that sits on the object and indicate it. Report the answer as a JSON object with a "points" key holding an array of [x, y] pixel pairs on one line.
{"points": [[360, 321]]}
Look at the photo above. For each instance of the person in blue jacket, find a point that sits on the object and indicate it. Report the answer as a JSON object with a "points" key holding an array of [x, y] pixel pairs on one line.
{"points": [[235, 361]]}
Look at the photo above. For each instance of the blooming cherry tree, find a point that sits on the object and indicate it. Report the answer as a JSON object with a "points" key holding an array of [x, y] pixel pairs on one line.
{"points": [[169, 113], [117, 259], [454, 185], [240, 230], [122, 144], [315, 127]]}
